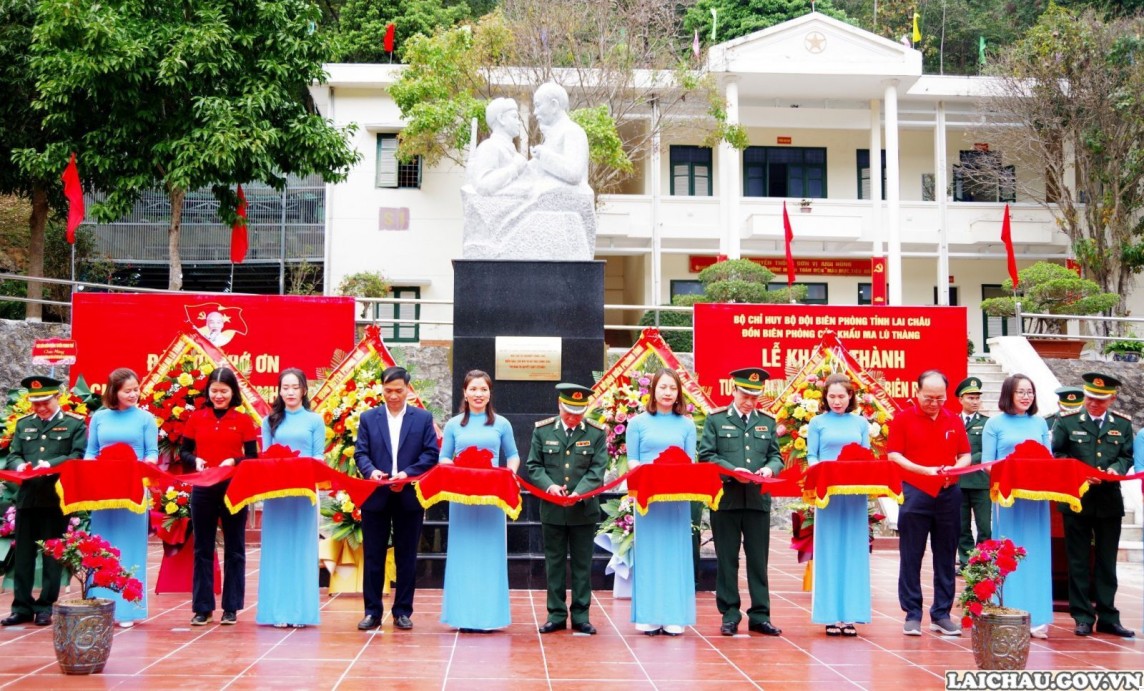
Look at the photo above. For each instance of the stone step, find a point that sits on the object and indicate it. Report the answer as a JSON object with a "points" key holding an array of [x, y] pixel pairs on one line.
{"points": [[1130, 552]]}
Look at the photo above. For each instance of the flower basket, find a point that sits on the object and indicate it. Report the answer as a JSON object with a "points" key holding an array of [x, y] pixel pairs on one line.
{"points": [[1001, 639], [82, 634], [1000, 635], [81, 629]]}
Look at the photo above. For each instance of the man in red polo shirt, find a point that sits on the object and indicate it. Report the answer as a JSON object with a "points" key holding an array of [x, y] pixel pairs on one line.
{"points": [[928, 439]]}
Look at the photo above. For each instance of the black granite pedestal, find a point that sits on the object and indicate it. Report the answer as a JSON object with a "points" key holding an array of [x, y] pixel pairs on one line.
{"points": [[527, 298]]}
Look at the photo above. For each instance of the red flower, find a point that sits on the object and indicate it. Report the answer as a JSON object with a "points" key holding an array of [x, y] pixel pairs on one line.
{"points": [[975, 608], [356, 514], [339, 517], [181, 500], [966, 622], [351, 385], [985, 590], [1006, 564]]}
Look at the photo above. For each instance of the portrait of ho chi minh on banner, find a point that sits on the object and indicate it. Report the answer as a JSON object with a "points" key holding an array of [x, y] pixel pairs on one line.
{"points": [[534, 208]]}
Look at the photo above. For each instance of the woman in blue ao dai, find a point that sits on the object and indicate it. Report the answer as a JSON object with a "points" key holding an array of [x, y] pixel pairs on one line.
{"points": [[122, 421], [475, 598], [288, 573], [1026, 522], [663, 583], [841, 595]]}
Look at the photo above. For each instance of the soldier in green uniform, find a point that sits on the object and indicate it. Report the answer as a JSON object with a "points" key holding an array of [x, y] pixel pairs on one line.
{"points": [[742, 439], [1102, 439], [1069, 398], [46, 437], [568, 456], [975, 503]]}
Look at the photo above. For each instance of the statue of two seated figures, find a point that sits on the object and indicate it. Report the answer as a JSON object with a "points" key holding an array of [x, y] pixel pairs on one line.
{"points": [[536, 208]]}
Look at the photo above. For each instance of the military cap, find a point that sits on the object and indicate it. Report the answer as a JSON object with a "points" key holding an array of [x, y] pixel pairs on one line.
{"points": [[573, 397], [1069, 397], [968, 385], [750, 380], [41, 388], [1099, 386]]}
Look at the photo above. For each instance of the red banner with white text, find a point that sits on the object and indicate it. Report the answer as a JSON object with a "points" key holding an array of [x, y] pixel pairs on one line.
{"points": [[893, 344], [259, 334]]}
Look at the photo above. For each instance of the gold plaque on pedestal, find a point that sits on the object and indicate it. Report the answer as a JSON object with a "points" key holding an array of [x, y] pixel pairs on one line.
{"points": [[528, 358]]}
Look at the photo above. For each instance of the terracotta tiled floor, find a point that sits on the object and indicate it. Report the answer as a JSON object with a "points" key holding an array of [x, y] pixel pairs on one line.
{"points": [[165, 652]]}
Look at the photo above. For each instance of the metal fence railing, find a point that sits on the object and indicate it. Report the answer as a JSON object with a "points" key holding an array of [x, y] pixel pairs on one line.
{"points": [[1084, 322], [282, 225]]}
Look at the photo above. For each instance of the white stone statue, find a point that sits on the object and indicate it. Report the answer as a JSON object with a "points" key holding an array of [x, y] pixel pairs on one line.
{"points": [[542, 208]]}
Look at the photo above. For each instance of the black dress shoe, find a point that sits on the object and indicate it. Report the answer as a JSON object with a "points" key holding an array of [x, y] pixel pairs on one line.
{"points": [[584, 627], [729, 629], [550, 626], [369, 622], [1083, 628], [15, 618], [403, 622], [766, 628], [1101, 627], [45, 619]]}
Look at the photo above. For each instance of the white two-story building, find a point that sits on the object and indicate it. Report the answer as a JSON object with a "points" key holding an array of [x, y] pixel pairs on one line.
{"points": [[816, 96]]}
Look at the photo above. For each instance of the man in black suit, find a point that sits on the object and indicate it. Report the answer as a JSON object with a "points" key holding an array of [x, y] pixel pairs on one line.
{"points": [[393, 442]]}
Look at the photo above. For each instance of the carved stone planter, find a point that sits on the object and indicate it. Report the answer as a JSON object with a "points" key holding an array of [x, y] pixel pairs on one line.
{"points": [[1001, 639], [1057, 348], [82, 634]]}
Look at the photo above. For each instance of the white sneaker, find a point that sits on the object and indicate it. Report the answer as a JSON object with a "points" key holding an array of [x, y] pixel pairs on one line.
{"points": [[646, 627], [1041, 631], [673, 629], [945, 627], [126, 624], [912, 627]]}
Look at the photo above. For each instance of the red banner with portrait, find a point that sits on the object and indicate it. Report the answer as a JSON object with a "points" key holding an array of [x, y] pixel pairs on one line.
{"points": [[893, 344], [259, 334]]}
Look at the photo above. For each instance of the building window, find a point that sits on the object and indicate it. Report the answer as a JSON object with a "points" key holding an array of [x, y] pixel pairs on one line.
{"points": [[980, 177], [784, 171], [406, 331], [865, 293], [690, 171], [686, 287], [816, 293], [953, 299], [864, 174], [392, 172]]}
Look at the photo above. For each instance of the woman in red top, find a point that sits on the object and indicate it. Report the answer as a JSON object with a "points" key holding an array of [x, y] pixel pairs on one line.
{"points": [[218, 436]]}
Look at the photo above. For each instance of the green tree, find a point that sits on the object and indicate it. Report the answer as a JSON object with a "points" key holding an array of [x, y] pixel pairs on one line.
{"points": [[735, 18], [181, 96], [362, 24], [1069, 101]]}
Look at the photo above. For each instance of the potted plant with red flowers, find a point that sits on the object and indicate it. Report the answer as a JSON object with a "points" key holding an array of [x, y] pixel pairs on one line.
{"points": [[1000, 634], [83, 628]]}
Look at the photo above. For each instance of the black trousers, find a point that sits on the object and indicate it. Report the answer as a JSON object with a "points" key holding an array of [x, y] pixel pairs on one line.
{"points": [[568, 548], [1102, 534], [207, 508], [976, 507], [375, 527], [31, 525], [936, 520]]}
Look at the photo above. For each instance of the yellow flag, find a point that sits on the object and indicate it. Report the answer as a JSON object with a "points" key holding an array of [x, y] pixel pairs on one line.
{"points": [[917, 37]]}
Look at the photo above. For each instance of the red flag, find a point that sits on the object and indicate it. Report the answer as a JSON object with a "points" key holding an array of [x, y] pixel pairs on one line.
{"points": [[74, 193], [390, 33], [789, 239], [238, 243], [1007, 238]]}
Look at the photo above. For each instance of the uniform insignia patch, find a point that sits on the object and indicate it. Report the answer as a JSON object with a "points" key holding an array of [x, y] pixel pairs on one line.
{"points": [[584, 443], [762, 428], [729, 427]]}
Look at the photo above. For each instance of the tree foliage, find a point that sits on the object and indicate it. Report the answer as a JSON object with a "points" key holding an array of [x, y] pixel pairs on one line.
{"points": [[1070, 98], [1047, 288], [362, 24], [181, 96]]}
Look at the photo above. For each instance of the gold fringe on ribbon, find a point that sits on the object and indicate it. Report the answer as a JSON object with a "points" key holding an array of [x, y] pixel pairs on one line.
{"points": [[705, 498], [142, 506], [310, 494], [469, 500], [810, 497], [1039, 495]]}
